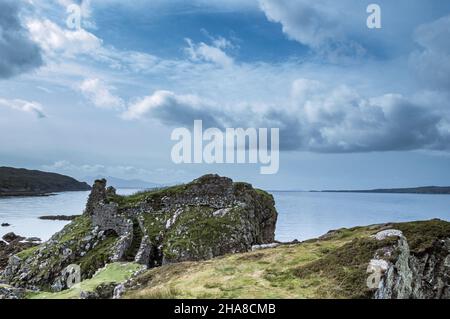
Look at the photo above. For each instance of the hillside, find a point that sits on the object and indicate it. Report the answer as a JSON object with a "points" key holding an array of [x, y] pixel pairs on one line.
{"points": [[23, 182], [333, 266]]}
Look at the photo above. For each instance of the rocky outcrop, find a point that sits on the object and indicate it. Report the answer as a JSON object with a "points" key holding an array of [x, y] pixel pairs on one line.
{"points": [[12, 244], [411, 273], [209, 217], [44, 266], [8, 292]]}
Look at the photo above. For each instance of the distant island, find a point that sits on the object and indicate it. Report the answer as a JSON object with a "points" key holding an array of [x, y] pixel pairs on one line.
{"points": [[413, 190], [23, 182]]}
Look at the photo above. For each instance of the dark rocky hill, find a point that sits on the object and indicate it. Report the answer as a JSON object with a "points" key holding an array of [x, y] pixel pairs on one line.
{"points": [[23, 182]]}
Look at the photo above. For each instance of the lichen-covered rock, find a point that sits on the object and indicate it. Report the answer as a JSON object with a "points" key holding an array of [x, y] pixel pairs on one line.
{"points": [[43, 266], [7, 292], [12, 244], [208, 217], [418, 262]]}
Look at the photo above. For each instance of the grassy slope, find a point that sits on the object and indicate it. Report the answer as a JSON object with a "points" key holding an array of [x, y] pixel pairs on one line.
{"points": [[268, 273], [330, 268], [112, 273]]}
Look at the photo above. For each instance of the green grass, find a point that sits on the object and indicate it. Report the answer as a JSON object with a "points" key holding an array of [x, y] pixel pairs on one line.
{"points": [[24, 254], [333, 267], [262, 274], [146, 196], [76, 230], [112, 273]]}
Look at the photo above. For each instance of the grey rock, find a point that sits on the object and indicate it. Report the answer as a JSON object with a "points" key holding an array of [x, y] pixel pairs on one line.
{"points": [[382, 235], [416, 276], [118, 291]]}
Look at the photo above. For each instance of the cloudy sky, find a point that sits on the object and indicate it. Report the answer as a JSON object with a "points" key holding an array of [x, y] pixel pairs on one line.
{"points": [[356, 107]]}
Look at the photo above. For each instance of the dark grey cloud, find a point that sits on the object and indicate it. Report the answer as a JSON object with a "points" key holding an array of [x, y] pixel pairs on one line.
{"points": [[18, 53], [318, 119]]}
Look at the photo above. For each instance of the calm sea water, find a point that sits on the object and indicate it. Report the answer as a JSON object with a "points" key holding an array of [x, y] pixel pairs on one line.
{"points": [[23, 212], [302, 215]]}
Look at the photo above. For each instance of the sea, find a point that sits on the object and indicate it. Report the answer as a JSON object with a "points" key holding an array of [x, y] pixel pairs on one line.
{"points": [[302, 215]]}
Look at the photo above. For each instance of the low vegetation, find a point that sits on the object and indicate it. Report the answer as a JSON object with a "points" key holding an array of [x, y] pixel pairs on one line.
{"points": [[112, 273], [331, 267]]}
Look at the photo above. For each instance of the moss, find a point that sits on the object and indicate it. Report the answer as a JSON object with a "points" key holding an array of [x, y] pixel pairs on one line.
{"points": [[422, 235], [75, 231], [264, 194], [24, 254], [96, 257], [198, 232], [147, 196], [49, 263], [154, 223]]}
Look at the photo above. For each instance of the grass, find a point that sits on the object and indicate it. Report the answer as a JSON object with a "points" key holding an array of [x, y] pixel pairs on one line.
{"points": [[345, 267], [112, 273], [262, 274], [146, 196], [24, 254], [333, 267]]}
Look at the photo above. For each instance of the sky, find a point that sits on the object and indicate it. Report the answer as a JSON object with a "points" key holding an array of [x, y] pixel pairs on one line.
{"points": [[357, 108]]}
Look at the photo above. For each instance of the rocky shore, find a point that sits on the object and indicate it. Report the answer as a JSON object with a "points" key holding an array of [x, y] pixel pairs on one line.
{"points": [[11, 244]]}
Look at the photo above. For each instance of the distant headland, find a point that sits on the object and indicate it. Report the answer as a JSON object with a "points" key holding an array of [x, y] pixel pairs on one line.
{"points": [[23, 182], [414, 190]]}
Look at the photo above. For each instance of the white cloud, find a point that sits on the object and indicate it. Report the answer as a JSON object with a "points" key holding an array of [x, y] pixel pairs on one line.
{"points": [[100, 94], [55, 40], [24, 106], [341, 120], [320, 25], [210, 53]]}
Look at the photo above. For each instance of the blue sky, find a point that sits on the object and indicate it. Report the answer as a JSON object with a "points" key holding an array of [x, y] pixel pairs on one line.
{"points": [[356, 107]]}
